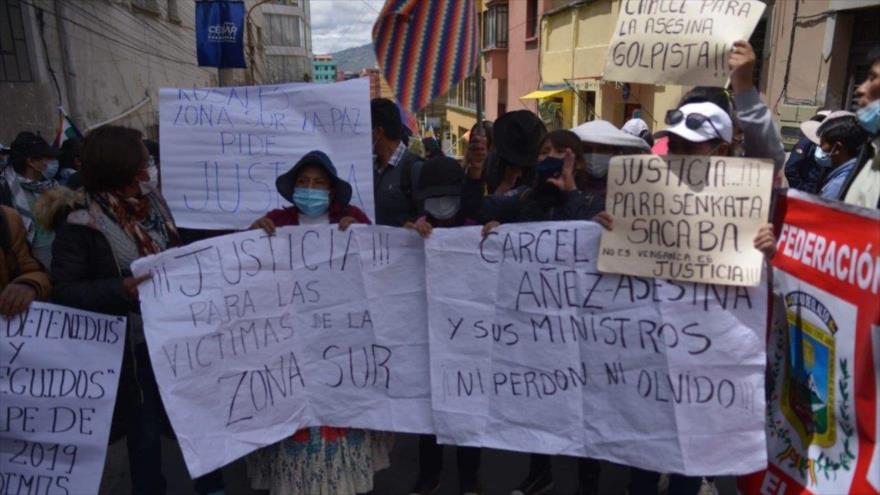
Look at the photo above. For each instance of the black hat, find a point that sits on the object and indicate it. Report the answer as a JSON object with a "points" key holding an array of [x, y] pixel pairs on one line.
{"points": [[440, 176], [287, 182], [30, 145], [517, 136]]}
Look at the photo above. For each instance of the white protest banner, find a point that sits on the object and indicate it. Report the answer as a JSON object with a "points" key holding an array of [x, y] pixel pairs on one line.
{"points": [[684, 42], [533, 349], [687, 218], [222, 148], [253, 337], [59, 370]]}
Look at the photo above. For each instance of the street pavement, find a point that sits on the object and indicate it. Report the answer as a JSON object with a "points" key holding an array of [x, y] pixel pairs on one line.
{"points": [[501, 472]]}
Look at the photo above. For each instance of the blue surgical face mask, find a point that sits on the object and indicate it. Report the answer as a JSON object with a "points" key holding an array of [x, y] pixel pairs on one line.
{"points": [[311, 202], [822, 158], [51, 170], [869, 117]]}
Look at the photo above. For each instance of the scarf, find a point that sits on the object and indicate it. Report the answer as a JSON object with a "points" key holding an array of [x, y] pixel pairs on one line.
{"points": [[137, 216], [17, 187]]}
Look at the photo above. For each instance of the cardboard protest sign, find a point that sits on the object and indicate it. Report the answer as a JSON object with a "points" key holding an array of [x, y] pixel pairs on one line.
{"points": [[222, 148], [684, 42], [534, 349], [687, 218], [59, 371], [253, 337], [824, 352]]}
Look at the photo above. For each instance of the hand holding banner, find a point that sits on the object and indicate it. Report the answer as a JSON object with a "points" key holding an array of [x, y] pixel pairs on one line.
{"points": [[534, 350], [59, 370], [253, 336], [687, 218], [683, 42]]}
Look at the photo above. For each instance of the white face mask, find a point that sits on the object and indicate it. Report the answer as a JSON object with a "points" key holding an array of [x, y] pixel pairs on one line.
{"points": [[443, 207], [597, 164]]}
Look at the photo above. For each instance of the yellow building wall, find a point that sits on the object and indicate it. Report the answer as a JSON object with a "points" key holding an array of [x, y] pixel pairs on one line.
{"points": [[459, 123], [557, 33], [574, 47], [595, 26]]}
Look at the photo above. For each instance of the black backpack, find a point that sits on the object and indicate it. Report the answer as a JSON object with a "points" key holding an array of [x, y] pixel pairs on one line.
{"points": [[408, 180]]}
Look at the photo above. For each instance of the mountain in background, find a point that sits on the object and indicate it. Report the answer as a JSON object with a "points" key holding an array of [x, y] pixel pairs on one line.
{"points": [[355, 59]]}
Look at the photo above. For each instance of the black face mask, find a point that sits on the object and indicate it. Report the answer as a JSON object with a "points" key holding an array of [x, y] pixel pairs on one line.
{"points": [[548, 168]]}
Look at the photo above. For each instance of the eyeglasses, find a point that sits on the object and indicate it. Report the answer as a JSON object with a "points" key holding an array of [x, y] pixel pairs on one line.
{"points": [[693, 121]]}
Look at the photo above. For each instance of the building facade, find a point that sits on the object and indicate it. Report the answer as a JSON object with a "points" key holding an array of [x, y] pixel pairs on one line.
{"points": [[287, 37], [574, 44], [461, 115], [104, 62], [379, 88], [324, 69], [510, 48], [818, 57]]}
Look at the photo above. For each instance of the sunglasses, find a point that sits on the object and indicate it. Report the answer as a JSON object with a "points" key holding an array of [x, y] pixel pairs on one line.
{"points": [[693, 121]]}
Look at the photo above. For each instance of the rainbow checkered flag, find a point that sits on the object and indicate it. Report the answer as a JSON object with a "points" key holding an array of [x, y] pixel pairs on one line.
{"points": [[425, 47], [66, 129]]}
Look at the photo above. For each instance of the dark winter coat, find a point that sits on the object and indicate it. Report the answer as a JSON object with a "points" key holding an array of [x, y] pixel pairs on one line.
{"points": [[85, 275], [529, 206], [394, 195]]}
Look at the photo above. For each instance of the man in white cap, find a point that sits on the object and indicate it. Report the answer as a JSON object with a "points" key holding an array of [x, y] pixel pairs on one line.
{"points": [[801, 170], [701, 129], [698, 129], [837, 141]]}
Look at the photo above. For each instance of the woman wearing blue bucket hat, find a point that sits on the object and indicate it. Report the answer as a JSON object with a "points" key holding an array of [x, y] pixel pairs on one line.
{"points": [[318, 195], [320, 460]]}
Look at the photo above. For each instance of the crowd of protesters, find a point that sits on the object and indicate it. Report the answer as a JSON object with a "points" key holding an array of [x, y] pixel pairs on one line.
{"points": [[73, 220]]}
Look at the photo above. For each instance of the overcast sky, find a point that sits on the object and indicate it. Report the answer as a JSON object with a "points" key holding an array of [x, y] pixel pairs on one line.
{"points": [[341, 24]]}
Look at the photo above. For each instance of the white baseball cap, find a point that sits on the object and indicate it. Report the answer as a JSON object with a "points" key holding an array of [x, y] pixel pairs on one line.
{"points": [[714, 123], [635, 127], [604, 132]]}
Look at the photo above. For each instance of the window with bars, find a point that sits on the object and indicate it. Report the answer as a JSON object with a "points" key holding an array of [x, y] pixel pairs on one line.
{"points": [[531, 19], [464, 95], [284, 30], [865, 37], [15, 63], [495, 27]]}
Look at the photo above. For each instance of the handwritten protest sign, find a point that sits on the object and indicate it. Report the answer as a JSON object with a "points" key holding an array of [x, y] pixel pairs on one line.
{"points": [[222, 148], [824, 367], [684, 42], [533, 349], [59, 369], [687, 218], [253, 337]]}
